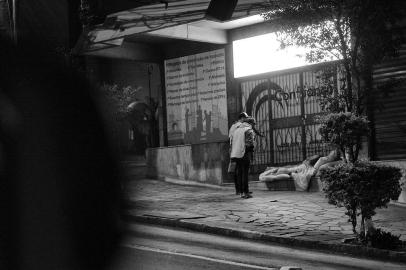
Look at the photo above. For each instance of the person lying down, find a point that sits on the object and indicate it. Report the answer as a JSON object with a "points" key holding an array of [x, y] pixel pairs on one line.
{"points": [[301, 173]]}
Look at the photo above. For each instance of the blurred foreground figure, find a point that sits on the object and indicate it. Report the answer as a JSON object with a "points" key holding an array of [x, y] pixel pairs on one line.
{"points": [[59, 187]]}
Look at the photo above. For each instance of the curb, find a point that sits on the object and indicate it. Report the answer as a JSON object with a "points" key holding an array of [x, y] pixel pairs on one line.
{"points": [[342, 249]]}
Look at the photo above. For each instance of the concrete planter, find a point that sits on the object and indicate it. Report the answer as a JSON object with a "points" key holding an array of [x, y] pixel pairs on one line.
{"points": [[203, 163]]}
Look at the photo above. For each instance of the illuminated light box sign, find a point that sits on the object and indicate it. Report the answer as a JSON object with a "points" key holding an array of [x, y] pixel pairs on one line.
{"points": [[196, 100]]}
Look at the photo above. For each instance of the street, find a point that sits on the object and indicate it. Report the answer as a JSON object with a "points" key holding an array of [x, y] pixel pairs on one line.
{"points": [[146, 259], [152, 247]]}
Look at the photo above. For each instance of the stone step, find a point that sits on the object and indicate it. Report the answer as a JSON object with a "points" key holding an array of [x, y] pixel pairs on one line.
{"points": [[280, 185], [315, 184]]}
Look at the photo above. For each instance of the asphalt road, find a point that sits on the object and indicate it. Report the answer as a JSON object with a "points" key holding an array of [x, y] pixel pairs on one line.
{"points": [[152, 259], [151, 247]]}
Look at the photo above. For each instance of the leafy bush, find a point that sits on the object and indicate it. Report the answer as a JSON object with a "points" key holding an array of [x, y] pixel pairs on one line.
{"points": [[118, 98], [385, 240], [344, 130], [361, 187]]}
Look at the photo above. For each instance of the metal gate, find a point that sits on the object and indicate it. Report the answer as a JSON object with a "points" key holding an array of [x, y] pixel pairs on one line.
{"points": [[285, 106]]}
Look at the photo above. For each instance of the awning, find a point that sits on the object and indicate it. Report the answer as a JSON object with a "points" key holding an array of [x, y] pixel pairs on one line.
{"points": [[176, 17]]}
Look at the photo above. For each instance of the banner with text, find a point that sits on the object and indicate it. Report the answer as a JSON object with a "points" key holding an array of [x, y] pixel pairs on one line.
{"points": [[196, 100]]}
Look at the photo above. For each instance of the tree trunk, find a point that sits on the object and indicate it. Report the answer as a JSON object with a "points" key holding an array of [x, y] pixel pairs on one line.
{"points": [[369, 226], [353, 218], [362, 229], [351, 157], [344, 154], [346, 62]]}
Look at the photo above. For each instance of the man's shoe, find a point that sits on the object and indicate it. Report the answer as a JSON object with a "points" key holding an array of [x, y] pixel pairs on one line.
{"points": [[247, 196]]}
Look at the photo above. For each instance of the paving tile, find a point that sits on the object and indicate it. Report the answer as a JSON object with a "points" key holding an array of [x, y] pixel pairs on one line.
{"points": [[288, 214], [283, 212], [260, 215], [309, 227], [331, 223], [324, 228], [294, 234], [346, 227], [298, 214], [332, 216], [285, 220], [278, 227], [247, 220], [287, 232], [347, 232], [297, 222]]}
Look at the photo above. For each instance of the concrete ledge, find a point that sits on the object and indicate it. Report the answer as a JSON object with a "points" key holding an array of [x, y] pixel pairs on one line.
{"points": [[399, 204], [280, 185], [189, 183], [289, 184], [202, 163], [343, 249]]}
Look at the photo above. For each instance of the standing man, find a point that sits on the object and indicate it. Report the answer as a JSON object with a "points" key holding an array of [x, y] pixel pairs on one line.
{"points": [[242, 148], [241, 118]]}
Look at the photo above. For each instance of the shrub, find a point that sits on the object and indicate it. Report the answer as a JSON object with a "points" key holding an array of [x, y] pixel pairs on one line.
{"points": [[344, 130], [118, 98], [361, 187], [385, 240]]}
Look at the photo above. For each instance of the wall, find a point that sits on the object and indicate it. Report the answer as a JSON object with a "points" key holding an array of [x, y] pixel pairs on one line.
{"points": [[251, 31], [203, 163], [402, 165], [183, 48], [389, 108]]}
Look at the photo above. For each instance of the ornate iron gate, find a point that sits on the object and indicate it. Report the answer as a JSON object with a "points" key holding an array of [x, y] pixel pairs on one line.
{"points": [[284, 106]]}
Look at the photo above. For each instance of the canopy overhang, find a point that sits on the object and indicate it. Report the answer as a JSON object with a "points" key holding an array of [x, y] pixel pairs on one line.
{"points": [[185, 20]]}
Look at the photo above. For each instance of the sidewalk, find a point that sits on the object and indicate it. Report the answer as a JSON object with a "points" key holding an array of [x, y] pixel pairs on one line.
{"points": [[301, 219]]}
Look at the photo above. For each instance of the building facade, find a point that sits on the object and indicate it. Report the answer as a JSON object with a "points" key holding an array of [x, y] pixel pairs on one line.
{"points": [[285, 103]]}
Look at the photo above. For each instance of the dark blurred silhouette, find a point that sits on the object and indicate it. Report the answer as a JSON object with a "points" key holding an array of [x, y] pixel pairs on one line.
{"points": [[59, 183]]}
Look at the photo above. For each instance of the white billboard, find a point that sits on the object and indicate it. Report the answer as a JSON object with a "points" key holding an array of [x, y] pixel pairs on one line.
{"points": [[196, 100]]}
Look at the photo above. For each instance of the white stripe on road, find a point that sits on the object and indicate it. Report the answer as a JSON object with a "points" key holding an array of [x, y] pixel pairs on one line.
{"points": [[144, 248]]}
